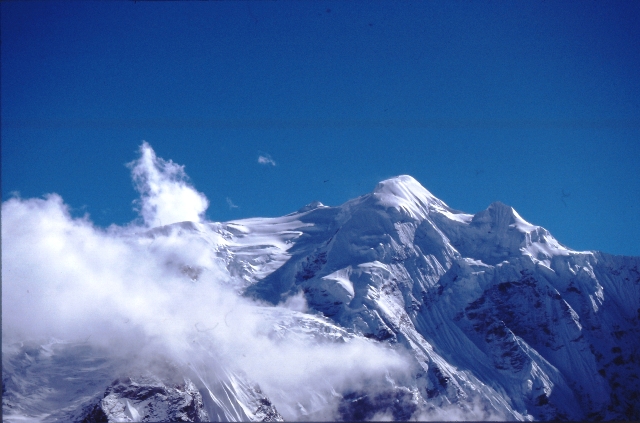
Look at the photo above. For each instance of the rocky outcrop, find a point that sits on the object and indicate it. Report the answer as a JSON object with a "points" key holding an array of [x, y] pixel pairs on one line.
{"points": [[147, 399]]}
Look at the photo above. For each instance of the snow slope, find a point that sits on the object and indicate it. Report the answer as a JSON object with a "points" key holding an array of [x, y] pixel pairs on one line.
{"points": [[486, 295]]}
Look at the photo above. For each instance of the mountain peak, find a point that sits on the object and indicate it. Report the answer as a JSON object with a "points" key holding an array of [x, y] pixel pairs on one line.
{"points": [[405, 193], [502, 215], [401, 183], [405, 187]]}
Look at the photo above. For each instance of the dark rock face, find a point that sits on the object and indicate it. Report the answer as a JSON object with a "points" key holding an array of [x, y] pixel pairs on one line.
{"points": [[398, 404], [267, 412], [94, 414], [147, 399]]}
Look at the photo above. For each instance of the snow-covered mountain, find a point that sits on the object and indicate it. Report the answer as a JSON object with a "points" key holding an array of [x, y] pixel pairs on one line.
{"points": [[493, 317]]}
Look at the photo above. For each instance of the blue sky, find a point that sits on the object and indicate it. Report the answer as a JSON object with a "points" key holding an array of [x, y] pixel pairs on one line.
{"points": [[535, 104]]}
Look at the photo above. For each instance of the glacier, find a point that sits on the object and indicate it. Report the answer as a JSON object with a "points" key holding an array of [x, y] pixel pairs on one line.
{"points": [[477, 317]]}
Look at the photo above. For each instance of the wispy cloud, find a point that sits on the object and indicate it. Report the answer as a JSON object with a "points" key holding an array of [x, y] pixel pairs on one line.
{"points": [[231, 204], [266, 159]]}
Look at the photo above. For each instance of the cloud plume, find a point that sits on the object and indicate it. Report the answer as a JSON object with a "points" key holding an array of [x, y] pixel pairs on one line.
{"points": [[165, 195]]}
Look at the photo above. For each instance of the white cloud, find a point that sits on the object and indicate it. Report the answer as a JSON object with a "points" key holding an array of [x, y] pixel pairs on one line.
{"points": [[386, 416], [296, 303], [165, 195], [164, 293], [231, 204], [473, 409], [266, 159]]}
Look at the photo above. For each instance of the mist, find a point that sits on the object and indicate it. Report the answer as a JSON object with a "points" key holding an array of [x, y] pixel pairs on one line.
{"points": [[155, 297]]}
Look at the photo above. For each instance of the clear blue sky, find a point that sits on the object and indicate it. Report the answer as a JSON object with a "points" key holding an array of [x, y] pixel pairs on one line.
{"points": [[535, 104]]}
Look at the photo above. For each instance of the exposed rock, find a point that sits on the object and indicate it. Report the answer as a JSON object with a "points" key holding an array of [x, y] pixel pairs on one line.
{"points": [[147, 399]]}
